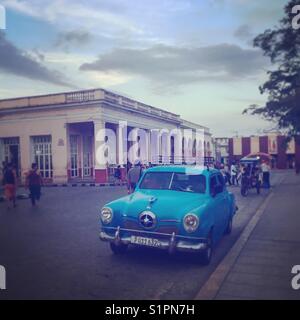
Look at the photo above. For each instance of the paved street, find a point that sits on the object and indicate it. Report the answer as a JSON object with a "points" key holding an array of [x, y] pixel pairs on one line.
{"points": [[53, 251]]}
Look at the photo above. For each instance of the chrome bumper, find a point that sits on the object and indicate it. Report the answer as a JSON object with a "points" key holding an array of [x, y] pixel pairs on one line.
{"points": [[170, 242]]}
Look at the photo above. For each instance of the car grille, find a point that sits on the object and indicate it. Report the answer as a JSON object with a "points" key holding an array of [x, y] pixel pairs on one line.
{"points": [[128, 224]]}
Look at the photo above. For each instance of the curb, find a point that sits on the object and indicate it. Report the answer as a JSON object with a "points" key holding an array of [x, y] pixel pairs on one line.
{"points": [[212, 286]]}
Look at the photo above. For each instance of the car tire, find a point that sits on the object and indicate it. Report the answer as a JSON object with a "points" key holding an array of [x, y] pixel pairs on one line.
{"points": [[229, 226], [118, 249], [205, 256]]}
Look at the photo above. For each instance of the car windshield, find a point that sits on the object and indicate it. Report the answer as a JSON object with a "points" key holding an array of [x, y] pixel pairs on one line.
{"points": [[195, 183]]}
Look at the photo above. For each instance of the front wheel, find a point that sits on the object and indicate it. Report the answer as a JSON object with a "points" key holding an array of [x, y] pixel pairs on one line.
{"points": [[118, 249], [205, 256]]}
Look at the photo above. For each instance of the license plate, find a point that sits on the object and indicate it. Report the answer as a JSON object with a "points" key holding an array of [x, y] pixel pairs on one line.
{"points": [[150, 242]]}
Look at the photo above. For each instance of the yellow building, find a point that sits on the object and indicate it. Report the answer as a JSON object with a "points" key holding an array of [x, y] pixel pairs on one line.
{"points": [[58, 132]]}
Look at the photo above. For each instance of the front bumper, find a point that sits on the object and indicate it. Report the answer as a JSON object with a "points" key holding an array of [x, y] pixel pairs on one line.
{"points": [[170, 242]]}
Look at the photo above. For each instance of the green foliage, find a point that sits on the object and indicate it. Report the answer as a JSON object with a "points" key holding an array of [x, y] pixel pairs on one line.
{"points": [[282, 46]]}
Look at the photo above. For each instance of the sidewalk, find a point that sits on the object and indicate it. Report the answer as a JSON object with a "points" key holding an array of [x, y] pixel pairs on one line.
{"points": [[262, 270]]}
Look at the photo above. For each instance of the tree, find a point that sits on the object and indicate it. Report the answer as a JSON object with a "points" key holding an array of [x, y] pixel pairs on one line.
{"points": [[282, 46]]}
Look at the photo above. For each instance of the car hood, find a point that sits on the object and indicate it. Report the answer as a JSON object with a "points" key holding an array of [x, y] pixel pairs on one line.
{"points": [[166, 204]]}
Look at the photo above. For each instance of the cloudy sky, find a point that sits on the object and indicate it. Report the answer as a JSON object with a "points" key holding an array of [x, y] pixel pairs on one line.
{"points": [[191, 57]]}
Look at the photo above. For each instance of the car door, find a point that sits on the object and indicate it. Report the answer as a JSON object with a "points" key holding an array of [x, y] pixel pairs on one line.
{"points": [[217, 204], [225, 210]]}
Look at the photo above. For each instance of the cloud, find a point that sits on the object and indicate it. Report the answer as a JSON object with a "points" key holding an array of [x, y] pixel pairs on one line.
{"points": [[244, 32], [94, 15], [20, 63], [166, 65], [73, 38]]}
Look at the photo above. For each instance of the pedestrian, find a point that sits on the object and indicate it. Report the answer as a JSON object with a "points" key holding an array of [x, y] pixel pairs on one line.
{"points": [[265, 168], [238, 173], [118, 175], [34, 182], [134, 175], [241, 170], [10, 185], [233, 173], [227, 174]]}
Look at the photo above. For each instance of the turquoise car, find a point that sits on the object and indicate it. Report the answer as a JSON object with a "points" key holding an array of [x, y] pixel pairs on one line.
{"points": [[176, 208]]}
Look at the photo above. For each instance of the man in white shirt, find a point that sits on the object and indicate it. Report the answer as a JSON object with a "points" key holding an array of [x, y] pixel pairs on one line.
{"points": [[265, 168], [233, 173]]}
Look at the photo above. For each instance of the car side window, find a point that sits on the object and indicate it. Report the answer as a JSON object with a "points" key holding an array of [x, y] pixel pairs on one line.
{"points": [[221, 182]]}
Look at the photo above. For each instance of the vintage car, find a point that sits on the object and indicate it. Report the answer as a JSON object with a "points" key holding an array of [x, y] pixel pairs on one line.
{"points": [[177, 208]]}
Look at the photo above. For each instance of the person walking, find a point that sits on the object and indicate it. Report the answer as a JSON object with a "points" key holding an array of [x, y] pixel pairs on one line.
{"points": [[134, 175], [10, 185], [265, 168], [118, 175], [233, 173], [34, 182], [227, 174]]}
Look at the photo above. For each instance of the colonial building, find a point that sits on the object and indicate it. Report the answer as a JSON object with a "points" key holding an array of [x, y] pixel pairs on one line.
{"points": [[63, 134], [283, 155], [221, 149]]}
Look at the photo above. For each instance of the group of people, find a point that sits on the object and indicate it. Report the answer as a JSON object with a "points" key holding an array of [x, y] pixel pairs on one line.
{"points": [[233, 173], [33, 182]]}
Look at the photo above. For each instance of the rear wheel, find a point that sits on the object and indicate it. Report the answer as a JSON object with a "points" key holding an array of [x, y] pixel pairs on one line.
{"points": [[205, 256], [118, 249]]}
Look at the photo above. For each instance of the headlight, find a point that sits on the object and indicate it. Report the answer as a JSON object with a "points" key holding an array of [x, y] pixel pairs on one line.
{"points": [[106, 215], [190, 222]]}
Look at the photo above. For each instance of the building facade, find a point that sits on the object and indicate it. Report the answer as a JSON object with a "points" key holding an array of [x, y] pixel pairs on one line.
{"points": [[80, 135], [283, 155], [222, 149]]}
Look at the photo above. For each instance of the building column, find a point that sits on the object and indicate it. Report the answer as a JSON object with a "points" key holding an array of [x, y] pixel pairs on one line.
{"points": [[200, 138], [149, 145], [134, 145], [165, 147], [121, 133], [60, 153], [25, 154], [101, 174], [155, 136], [122, 147]]}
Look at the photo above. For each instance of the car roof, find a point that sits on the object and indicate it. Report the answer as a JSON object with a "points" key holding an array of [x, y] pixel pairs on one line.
{"points": [[183, 169]]}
